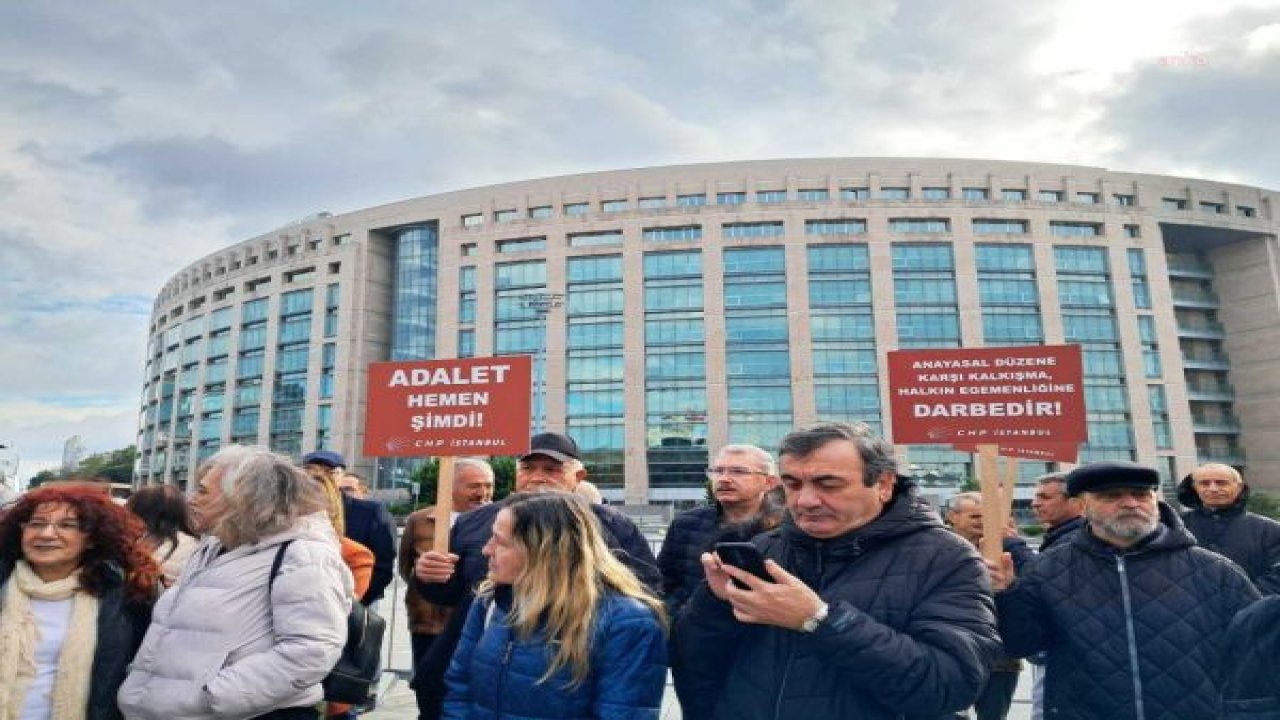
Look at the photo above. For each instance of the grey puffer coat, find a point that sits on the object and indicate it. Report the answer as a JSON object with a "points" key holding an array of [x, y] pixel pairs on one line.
{"points": [[221, 645]]}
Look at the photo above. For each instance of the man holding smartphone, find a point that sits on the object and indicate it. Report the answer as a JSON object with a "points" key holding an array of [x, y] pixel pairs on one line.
{"points": [[875, 609]]}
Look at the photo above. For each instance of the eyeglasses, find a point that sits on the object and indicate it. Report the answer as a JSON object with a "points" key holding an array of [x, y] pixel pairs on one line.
{"points": [[61, 527], [733, 471]]}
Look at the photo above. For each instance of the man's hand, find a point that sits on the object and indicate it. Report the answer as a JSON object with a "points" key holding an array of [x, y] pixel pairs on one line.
{"points": [[435, 567], [1002, 574], [787, 602]]}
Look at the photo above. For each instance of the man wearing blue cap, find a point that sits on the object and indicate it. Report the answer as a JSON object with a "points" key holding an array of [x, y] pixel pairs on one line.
{"points": [[1130, 612], [365, 521]]}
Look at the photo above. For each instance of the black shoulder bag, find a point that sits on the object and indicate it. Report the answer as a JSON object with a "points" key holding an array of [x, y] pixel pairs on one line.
{"points": [[360, 665]]}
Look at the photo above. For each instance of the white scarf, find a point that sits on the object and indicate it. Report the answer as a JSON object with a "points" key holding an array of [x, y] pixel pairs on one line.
{"points": [[19, 636]]}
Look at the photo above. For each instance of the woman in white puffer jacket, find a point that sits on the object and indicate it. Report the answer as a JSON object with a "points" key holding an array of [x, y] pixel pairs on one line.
{"points": [[226, 642]]}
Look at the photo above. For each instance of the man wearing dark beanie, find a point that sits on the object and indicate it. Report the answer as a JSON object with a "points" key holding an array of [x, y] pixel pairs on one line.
{"points": [[1132, 613]]}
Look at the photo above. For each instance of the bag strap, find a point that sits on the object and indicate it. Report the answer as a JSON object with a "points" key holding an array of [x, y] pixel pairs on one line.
{"points": [[275, 565]]}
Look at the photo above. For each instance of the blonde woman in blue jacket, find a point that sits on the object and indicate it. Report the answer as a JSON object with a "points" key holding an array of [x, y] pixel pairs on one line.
{"points": [[561, 628]]}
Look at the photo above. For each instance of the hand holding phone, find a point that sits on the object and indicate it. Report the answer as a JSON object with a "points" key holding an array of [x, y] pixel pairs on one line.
{"points": [[745, 556]]}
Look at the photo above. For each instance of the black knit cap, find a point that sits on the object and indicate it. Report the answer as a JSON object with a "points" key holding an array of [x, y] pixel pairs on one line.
{"points": [[1110, 474]]}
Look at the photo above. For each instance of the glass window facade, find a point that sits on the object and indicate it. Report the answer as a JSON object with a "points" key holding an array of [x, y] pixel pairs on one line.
{"points": [[413, 306], [612, 237], [521, 304], [848, 226], [686, 233], [1000, 227], [1008, 292], [919, 225], [522, 244], [675, 370], [925, 289], [757, 356], [751, 230], [845, 375], [594, 412], [1089, 318], [1138, 277]]}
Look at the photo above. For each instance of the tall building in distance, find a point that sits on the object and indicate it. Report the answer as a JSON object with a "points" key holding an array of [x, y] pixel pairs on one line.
{"points": [[675, 309], [73, 453]]}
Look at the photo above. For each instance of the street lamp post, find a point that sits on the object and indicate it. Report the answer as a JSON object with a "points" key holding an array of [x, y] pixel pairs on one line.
{"points": [[541, 304]]}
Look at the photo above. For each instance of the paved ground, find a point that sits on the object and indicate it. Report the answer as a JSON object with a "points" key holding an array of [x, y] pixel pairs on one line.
{"points": [[398, 702]]}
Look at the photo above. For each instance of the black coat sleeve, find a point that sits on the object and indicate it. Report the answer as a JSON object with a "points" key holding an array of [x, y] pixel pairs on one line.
{"points": [[670, 564], [382, 541], [631, 547], [1021, 617], [939, 661], [704, 642]]}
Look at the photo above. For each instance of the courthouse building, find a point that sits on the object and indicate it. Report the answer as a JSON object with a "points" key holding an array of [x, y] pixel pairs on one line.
{"points": [[672, 310]]}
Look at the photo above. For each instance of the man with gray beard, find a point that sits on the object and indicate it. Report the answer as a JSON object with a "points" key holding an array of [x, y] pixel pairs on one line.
{"points": [[1130, 612]]}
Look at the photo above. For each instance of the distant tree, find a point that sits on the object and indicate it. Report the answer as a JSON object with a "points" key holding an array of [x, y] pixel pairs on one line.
{"points": [[113, 466], [428, 479], [1264, 504], [970, 484], [41, 478], [504, 476], [427, 476]]}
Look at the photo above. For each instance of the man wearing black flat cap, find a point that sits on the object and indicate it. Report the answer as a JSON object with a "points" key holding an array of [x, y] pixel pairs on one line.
{"points": [[365, 521], [1130, 612], [553, 464]]}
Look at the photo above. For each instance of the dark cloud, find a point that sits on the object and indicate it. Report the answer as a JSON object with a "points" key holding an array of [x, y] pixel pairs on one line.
{"points": [[1215, 108]]}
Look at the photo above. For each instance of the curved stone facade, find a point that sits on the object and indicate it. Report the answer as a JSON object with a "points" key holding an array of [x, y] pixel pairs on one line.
{"points": [[676, 309]]}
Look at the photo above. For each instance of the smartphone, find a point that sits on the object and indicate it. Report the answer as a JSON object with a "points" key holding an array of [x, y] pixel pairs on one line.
{"points": [[745, 556]]}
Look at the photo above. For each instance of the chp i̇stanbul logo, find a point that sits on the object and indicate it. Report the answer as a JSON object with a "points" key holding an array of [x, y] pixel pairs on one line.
{"points": [[397, 444]]}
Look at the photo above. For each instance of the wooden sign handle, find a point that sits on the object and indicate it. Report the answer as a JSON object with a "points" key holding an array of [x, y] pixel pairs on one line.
{"points": [[444, 504], [1010, 482], [992, 502]]}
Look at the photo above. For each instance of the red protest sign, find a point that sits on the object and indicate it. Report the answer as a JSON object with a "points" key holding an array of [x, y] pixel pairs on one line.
{"points": [[1010, 396], [467, 406]]}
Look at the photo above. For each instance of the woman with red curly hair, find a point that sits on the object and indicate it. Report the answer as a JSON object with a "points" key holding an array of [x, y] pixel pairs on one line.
{"points": [[76, 589]]}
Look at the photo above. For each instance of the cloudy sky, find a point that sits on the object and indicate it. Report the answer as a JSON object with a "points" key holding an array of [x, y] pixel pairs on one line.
{"points": [[136, 137]]}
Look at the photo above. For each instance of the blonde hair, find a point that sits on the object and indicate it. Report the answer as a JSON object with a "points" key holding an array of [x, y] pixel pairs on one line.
{"points": [[333, 503], [568, 571]]}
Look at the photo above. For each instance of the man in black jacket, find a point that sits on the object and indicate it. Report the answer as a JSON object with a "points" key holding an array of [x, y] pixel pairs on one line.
{"points": [[1250, 683], [552, 464], [1216, 496], [1060, 513], [741, 477], [367, 522], [875, 610], [1132, 614]]}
